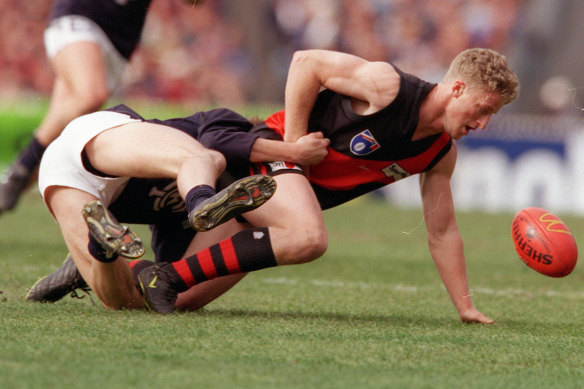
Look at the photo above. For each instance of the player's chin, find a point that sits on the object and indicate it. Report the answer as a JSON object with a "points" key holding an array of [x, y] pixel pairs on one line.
{"points": [[462, 131], [458, 134], [457, 131]]}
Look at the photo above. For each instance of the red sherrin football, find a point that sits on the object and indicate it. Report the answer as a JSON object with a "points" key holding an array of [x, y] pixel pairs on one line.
{"points": [[544, 242]]}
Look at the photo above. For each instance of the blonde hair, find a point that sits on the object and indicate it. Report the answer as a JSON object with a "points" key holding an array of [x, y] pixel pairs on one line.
{"points": [[485, 68]]}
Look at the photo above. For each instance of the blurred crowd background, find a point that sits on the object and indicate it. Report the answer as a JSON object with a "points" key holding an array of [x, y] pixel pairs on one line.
{"points": [[230, 52]]}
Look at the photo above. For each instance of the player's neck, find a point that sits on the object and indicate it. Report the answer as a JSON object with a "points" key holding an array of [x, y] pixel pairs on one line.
{"points": [[431, 113]]}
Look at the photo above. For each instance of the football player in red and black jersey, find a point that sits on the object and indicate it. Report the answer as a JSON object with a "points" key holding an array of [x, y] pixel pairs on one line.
{"points": [[383, 125]]}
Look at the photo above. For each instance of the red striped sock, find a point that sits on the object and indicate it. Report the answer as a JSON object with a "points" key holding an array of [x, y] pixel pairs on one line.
{"points": [[245, 251]]}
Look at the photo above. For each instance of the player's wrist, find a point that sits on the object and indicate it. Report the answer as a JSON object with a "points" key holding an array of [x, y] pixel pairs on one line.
{"points": [[464, 304], [296, 153]]}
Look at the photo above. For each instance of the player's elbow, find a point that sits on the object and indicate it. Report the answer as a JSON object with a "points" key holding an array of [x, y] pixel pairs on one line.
{"points": [[300, 56], [304, 61]]}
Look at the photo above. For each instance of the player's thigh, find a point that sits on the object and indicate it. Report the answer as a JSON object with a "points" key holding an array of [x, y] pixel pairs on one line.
{"points": [[293, 206], [82, 67], [142, 150]]}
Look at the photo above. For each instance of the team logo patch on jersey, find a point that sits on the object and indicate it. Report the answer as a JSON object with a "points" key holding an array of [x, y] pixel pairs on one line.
{"points": [[364, 143], [167, 198], [396, 172]]}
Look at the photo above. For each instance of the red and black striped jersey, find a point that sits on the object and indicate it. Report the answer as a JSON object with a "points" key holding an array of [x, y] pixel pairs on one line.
{"points": [[368, 151]]}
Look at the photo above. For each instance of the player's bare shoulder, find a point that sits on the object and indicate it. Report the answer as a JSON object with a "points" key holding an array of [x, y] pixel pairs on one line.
{"points": [[384, 83], [378, 84]]}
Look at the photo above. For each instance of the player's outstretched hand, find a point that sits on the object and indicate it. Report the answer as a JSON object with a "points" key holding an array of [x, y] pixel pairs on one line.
{"points": [[474, 316], [312, 148]]}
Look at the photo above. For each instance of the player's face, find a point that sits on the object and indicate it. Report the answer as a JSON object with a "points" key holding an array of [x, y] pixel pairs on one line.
{"points": [[470, 109]]}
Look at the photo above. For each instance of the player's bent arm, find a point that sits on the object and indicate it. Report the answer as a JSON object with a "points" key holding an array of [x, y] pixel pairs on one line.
{"points": [[310, 149], [444, 239], [374, 83]]}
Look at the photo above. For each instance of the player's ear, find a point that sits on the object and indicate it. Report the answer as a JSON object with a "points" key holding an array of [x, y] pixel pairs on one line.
{"points": [[458, 88]]}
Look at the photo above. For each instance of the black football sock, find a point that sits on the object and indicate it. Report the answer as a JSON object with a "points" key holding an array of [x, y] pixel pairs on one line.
{"points": [[246, 251], [32, 154], [98, 252], [197, 194]]}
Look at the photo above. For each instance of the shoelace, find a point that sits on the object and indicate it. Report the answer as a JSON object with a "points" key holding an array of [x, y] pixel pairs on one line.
{"points": [[86, 290]]}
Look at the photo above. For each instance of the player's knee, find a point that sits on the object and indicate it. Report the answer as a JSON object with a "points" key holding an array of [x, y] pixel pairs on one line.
{"points": [[216, 159], [211, 159], [310, 245], [92, 99], [318, 244], [197, 159]]}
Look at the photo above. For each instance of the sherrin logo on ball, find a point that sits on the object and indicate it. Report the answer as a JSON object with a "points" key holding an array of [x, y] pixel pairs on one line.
{"points": [[544, 242]]}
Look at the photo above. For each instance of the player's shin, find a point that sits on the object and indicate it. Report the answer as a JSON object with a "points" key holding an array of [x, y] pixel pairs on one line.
{"points": [[246, 251]]}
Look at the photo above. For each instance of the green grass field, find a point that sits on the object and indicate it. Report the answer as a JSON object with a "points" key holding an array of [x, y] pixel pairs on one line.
{"points": [[372, 313]]}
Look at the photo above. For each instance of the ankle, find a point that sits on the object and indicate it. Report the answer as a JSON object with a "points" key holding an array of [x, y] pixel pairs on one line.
{"points": [[31, 156], [99, 253], [198, 194]]}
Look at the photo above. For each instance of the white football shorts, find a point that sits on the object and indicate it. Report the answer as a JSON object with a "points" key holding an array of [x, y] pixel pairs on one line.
{"points": [[62, 163], [70, 29]]}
